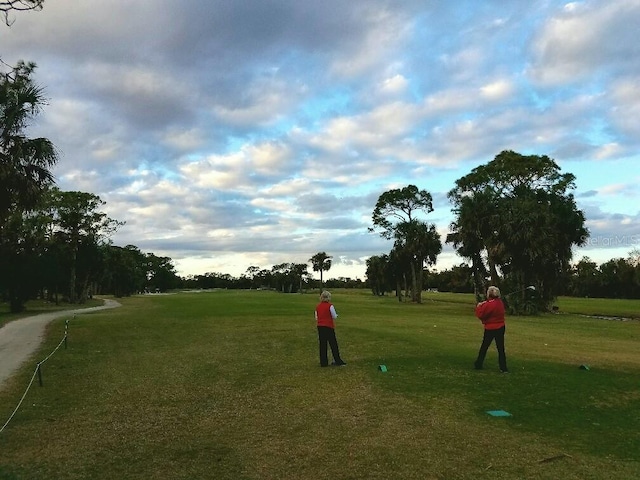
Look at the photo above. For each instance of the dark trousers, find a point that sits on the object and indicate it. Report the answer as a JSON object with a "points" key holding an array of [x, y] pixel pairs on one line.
{"points": [[490, 336], [327, 335]]}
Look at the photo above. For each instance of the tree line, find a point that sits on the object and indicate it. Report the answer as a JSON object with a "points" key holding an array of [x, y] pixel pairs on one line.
{"points": [[288, 277], [59, 250], [615, 278]]}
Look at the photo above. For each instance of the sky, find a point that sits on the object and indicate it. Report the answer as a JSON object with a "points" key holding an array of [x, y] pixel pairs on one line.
{"points": [[230, 134]]}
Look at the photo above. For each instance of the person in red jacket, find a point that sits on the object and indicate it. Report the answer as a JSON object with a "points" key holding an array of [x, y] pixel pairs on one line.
{"points": [[325, 315], [491, 314]]}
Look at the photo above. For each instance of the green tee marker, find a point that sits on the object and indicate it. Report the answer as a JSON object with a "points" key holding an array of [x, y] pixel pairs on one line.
{"points": [[382, 368], [584, 367]]}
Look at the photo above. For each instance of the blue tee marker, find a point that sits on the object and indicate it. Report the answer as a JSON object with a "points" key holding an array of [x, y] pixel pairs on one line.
{"points": [[382, 368], [498, 413]]}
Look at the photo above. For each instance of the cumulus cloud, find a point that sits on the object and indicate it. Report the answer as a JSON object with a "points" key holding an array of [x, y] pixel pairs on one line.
{"points": [[229, 134], [394, 85], [497, 90], [385, 31], [611, 235], [625, 189], [585, 39], [625, 111]]}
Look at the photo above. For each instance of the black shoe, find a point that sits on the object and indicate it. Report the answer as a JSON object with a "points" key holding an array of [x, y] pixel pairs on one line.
{"points": [[477, 367], [324, 365], [338, 364]]}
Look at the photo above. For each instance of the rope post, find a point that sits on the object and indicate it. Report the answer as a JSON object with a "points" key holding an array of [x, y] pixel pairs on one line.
{"points": [[39, 370], [66, 332]]}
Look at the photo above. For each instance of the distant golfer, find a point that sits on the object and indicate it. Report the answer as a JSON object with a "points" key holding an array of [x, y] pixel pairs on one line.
{"points": [[491, 314], [325, 315]]}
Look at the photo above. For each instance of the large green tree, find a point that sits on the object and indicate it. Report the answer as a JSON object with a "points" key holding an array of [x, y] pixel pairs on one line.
{"points": [[81, 227], [516, 218], [619, 279], [419, 243], [301, 273], [378, 274], [289, 277], [321, 262], [161, 273], [585, 279], [416, 243], [124, 271], [252, 274]]}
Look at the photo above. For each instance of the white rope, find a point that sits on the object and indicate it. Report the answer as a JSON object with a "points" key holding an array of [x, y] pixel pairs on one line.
{"points": [[31, 382], [54, 351], [22, 399]]}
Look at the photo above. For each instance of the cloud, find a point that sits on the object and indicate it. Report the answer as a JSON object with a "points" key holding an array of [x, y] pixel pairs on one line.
{"points": [[626, 189], [235, 133], [609, 150], [585, 39], [587, 194], [184, 140], [262, 102], [394, 85], [625, 111], [385, 30], [239, 171], [498, 90]]}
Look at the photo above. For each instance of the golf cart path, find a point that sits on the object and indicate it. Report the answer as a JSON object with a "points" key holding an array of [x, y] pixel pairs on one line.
{"points": [[19, 339]]}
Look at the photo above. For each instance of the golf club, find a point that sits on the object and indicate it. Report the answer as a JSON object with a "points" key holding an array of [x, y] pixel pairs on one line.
{"points": [[530, 287]]}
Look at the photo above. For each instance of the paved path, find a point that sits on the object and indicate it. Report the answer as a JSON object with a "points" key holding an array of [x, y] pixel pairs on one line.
{"points": [[19, 339]]}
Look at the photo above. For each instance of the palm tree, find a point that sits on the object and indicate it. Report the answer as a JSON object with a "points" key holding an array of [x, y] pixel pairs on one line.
{"points": [[24, 173], [320, 262], [419, 243], [24, 162]]}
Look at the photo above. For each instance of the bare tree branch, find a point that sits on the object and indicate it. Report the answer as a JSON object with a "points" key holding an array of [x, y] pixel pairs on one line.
{"points": [[7, 6]]}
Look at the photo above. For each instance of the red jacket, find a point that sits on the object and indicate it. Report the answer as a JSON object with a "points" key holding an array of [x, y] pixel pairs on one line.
{"points": [[323, 314], [491, 313]]}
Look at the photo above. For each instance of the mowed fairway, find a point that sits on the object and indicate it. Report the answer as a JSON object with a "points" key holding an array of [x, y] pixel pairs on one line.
{"points": [[227, 385]]}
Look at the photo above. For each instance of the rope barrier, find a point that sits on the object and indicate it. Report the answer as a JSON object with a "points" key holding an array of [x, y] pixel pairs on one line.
{"points": [[37, 372]]}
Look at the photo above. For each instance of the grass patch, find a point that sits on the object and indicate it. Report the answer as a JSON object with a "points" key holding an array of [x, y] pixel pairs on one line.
{"points": [[226, 385], [606, 307]]}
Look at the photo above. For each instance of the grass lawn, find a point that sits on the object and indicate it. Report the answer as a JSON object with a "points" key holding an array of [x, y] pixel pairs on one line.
{"points": [[227, 385], [600, 306]]}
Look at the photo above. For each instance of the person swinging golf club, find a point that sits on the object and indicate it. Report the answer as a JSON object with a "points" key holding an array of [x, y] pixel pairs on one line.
{"points": [[491, 314]]}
